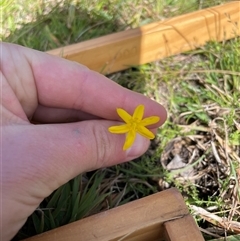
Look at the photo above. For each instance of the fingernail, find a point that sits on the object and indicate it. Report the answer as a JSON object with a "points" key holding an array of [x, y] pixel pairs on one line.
{"points": [[139, 147]]}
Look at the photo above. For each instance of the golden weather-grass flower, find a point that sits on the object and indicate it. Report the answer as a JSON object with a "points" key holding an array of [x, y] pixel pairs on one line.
{"points": [[134, 124]]}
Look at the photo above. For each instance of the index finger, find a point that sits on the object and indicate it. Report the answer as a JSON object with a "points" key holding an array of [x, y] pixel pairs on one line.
{"points": [[65, 84]]}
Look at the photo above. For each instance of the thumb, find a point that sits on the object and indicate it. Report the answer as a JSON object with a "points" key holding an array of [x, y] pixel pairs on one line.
{"points": [[88, 145], [62, 151], [47, 156]]}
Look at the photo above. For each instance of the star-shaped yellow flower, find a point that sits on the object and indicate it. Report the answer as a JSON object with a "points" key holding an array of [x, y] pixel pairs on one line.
{"points": [[134, 124]]}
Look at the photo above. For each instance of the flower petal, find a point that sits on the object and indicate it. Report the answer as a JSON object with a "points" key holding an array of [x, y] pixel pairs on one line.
{"points": [[150, 120], [119, 129], [145, 132], [138, 113], [124, 115], [131, 135]]}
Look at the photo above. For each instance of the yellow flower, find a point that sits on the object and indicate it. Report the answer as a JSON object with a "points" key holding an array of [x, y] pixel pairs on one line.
{"points": [[134, 124]]}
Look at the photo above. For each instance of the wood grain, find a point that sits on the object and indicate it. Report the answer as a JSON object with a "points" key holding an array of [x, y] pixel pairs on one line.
{"points": [[183, 229], [155, 41], [139, 220]]}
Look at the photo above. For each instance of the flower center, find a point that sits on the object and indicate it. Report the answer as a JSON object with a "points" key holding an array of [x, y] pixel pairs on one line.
{"points": [[134, 123]]}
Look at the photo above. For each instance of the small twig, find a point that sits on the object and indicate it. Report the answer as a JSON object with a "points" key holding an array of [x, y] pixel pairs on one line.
{"points": [[215, 153], [209, 233], [224, 144], [192, 156], [237, 125], [216, 220], [220, 91], [187, 128]]}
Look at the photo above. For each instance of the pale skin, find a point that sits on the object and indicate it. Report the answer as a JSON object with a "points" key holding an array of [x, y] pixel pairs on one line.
{"points": [[75, 107]]}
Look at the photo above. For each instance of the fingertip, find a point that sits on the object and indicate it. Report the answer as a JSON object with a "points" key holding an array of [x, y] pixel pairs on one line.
{"points": [[138, 148]]}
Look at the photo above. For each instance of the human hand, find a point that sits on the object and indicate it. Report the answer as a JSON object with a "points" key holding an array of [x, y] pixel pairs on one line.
{"points": [[37, 159]]}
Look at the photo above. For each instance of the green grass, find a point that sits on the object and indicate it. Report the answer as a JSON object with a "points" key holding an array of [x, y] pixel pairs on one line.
{"points": [[200, 89]]}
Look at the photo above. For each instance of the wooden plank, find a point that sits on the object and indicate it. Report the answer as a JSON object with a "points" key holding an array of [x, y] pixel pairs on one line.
{"points": [[182, 229], [139, 220], [154, 41]]}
